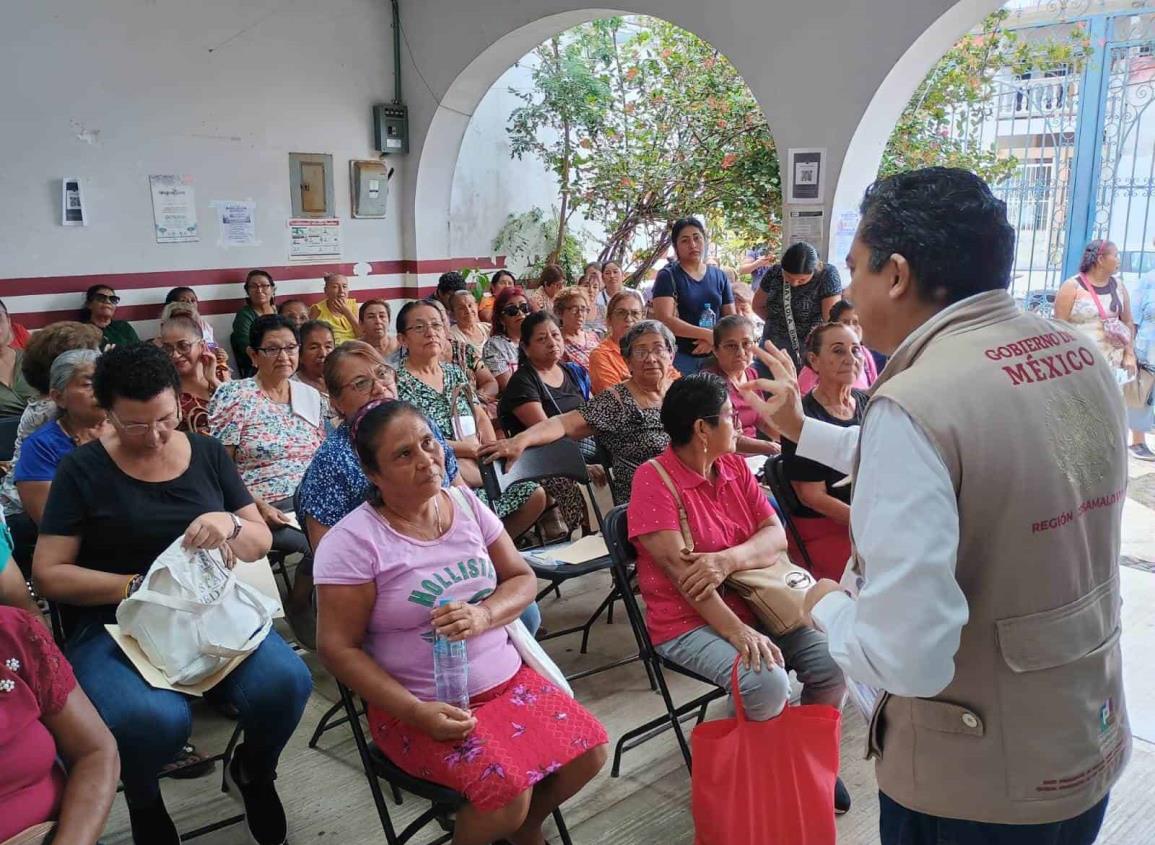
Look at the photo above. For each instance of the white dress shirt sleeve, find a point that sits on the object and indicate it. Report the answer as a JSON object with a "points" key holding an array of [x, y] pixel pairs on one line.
{"points": [[828, 444], [902, 631]]}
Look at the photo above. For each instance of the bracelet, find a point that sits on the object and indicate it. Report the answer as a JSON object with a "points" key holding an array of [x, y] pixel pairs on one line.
{"points": [[133, 585], [236, 526]]}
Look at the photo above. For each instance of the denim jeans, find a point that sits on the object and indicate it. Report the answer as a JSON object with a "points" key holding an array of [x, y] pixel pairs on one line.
{"points": [[269, 690], [764, 694], [900, 826], [531, 617]]}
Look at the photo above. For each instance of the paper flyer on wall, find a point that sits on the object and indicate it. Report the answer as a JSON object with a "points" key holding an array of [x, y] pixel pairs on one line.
{"points": [[314, 237], [174, 209], [806, 224], [237, 222]]}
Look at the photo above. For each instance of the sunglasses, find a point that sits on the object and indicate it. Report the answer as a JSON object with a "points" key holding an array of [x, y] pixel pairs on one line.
{"points": [[107, 298], [514, 310]]}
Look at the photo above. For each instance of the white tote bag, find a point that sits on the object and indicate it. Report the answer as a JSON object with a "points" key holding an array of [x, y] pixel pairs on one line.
{"points": [[191, 615]]}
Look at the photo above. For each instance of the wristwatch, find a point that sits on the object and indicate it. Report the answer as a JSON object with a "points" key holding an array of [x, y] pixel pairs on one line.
{"points": [[236, 526]]}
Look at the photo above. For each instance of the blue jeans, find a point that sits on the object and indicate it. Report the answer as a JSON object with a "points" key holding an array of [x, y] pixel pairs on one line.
{"points": [[531, 617], [764, 693], [269, 690], [688, 364], [900, 826]]}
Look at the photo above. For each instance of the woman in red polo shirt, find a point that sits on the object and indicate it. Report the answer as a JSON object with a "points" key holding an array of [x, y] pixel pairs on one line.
{"points": [[693, 619]]}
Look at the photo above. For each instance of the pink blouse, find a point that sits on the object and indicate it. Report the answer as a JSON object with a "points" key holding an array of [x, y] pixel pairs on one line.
{"points": [[35, 681]]}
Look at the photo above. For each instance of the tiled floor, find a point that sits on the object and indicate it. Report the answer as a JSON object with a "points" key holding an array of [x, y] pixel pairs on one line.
{"points": [[328, 801]]}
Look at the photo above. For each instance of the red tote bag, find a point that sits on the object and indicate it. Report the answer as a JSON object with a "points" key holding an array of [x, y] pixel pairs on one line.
{"points": [[766, 783]]}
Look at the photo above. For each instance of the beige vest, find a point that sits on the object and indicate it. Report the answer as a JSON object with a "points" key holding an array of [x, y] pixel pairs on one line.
{"points": [[1028, 420]]}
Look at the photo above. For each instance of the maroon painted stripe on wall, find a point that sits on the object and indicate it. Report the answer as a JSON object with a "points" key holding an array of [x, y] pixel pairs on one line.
{"points": [[210, 307], [34, 285]]}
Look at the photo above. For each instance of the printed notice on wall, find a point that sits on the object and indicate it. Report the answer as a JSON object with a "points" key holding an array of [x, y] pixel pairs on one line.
{"points": [[174, 209], [845, 226], [805, 224], [805, 176], [314, 237], [237, 222]]}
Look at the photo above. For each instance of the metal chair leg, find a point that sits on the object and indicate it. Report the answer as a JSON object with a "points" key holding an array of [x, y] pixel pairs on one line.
{"points": [[562, 830]]}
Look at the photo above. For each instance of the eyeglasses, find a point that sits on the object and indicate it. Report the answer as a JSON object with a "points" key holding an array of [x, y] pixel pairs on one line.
{"points": [[276, 351], [733, 346], [106, 298], [164, 424], [181, 347], [363, 384], [628, 314], [426, 328], [734, 418], [641, 353], [581, 309], [260, 287], [514, 310]]}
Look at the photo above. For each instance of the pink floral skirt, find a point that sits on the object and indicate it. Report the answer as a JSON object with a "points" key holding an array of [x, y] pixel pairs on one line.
{"points": [[527, 729]]}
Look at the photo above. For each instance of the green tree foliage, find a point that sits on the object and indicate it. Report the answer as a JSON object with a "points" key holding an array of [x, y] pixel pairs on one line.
{"points": [[643, 122], [941, 123]]}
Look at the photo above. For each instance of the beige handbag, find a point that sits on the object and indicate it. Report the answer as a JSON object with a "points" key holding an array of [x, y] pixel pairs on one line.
{"points": [[775, 593], [1137, 392]]}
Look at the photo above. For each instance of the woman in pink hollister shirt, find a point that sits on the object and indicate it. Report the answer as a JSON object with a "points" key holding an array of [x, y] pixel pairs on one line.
{"points": [[381, 573]]}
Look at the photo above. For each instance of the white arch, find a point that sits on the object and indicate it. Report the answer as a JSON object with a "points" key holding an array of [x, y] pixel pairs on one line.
{"points": [[864, 153]]}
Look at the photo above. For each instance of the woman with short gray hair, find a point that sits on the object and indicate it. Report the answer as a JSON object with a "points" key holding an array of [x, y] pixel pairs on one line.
{"points": [[79, 419], [625, 418]]}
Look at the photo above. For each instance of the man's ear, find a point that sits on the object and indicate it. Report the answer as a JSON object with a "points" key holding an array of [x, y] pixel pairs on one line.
{"points": [[901, 280]]}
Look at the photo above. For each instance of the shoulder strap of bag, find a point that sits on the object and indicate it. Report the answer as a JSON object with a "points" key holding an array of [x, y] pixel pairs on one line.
{"points": [[788, 308], [683, 517], [1090, 288], [459, 497]]}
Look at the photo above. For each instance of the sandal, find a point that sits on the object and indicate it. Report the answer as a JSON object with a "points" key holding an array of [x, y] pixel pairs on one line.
{"points": [[188, 764]]}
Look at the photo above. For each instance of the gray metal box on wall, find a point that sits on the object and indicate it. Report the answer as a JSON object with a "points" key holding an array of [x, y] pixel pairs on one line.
{"points": [[369, 188], [391, 128]]}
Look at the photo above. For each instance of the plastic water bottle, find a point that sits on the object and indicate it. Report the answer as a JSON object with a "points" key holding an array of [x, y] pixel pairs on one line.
{"points": [[450, 668], [708, 318]]}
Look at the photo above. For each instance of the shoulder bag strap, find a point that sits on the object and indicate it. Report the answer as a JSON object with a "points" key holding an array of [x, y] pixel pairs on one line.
{"points": [[1090, 288], [683, 517], [788, 308]]}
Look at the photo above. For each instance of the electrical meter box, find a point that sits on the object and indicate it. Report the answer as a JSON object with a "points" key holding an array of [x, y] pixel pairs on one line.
{"points": [[369, 187], [391, 128]]}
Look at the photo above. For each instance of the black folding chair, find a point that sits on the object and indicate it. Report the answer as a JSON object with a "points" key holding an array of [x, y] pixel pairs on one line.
{"points": [[775, 474], [624, 557], [8, 426], [561, 459], [443, 802]]}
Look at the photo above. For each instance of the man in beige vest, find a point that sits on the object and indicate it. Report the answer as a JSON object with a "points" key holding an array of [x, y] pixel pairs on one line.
{"points": [[982, 600]]}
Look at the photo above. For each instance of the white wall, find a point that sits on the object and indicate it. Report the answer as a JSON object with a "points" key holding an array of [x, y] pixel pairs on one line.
{"points": [[219, 90]]}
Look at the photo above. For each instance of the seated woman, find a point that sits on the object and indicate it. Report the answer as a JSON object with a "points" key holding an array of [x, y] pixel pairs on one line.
{"points": [[625, 418], [42, 349], [79, 420], [544, 387], [467, 327], [60, 764], [271, 426], [835, 354], [509, 311], [198, 367], [462, 354], [188, 296], [607, 365], [693, 619], [335, 485], [100, 303], [735, 347], [500, 280], [295, 311], [843, 312], [259, 292], [15, 392], [442, 392], [115, 505], [524, 746], [317, 342], [572, 308], [376, 318]]}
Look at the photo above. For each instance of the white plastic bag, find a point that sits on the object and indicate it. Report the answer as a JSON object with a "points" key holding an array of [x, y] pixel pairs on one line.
{"points": [[191, 615], [535, 657]]}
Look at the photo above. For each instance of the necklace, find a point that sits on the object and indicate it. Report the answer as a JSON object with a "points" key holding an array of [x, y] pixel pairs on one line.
{"points": [[414, 524], [73, 438]]}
